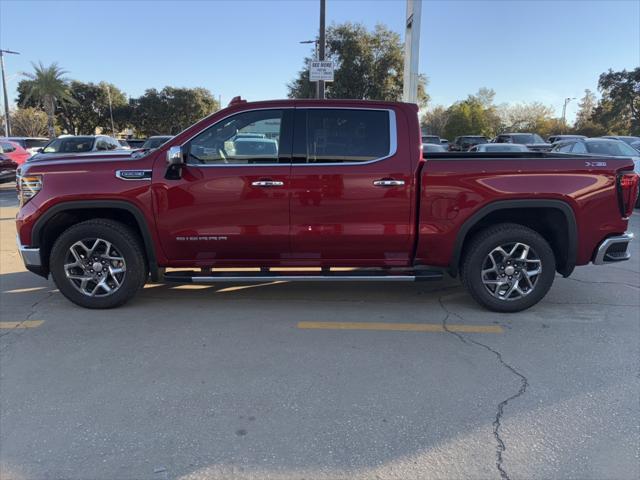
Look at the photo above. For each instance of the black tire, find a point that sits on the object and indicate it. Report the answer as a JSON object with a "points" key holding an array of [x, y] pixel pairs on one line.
{"points": [[126, 244], [477, 253]]}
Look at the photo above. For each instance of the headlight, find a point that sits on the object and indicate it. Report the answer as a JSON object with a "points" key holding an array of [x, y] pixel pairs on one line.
{"points": [[28, 187]]}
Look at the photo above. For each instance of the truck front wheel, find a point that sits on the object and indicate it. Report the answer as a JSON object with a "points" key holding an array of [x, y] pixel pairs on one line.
{"points": [[98, 263], [508, 267]]}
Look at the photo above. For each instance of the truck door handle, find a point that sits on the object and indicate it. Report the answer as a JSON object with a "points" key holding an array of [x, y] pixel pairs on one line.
{"points": [[267, 183], [388, 182]]}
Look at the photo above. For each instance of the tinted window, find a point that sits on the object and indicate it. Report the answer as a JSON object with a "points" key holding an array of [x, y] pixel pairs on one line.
{"points": [[6, 147], [245, 138], [579, 147], [70, 145], [34, 143], [525, 138], [565, 148], [347, 135], [613, 148], [431, 139]]}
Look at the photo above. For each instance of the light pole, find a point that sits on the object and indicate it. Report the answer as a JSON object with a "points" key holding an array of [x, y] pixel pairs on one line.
{"points": [[7, 127], [321, 46], [564, 112]]}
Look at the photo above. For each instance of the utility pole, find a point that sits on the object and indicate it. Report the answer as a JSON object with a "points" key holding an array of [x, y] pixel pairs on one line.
{"points": [[7, 126], [564, 113], [411, 51], [321, 45]]}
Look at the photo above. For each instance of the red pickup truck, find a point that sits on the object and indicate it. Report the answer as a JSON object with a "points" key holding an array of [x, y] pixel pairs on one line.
{"points": [[341, 186]]}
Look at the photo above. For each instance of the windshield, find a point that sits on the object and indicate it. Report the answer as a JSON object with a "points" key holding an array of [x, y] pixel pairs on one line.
{"points": [[432, 147], [70, 145], [473, 140], [34, 142], [524, 138], [504, 147], [611, 147], [155, 142]]}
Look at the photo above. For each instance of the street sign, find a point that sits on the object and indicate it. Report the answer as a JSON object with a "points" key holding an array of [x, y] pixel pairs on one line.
{"points": [[321, 71]]}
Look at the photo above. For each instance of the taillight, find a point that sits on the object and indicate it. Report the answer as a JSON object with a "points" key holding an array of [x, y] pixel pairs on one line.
{"points": [[627, 187], [28, 187]]}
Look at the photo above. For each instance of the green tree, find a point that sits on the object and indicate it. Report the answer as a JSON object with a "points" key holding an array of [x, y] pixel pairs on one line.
{"points": [[368, 65], [90, 109], [468, 117], [28, 122], [171, 110], [48, 87], [525, 117], [434, 120], [619, 108], [586, 107]]}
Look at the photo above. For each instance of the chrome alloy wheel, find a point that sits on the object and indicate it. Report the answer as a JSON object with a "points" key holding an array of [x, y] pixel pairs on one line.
{"points": [[94, 267], [511, 271]]}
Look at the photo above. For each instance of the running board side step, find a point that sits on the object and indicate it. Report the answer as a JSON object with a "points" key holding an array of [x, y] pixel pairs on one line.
{"points": [[257, 277]]}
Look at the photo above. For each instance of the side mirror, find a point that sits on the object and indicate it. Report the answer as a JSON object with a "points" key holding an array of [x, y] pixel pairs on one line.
{"points": [[175, 161], [175, 157]]}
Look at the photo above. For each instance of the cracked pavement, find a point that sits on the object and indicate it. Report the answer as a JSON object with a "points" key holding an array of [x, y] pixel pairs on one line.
{"points": [[218, 383]]}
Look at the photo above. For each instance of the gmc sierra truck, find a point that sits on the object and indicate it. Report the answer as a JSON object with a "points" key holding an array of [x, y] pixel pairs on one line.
{"points": [[341, 186]]}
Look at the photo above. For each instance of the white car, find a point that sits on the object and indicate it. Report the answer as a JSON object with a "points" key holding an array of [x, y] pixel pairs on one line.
{"points": [[78, 144], [499, 147]]}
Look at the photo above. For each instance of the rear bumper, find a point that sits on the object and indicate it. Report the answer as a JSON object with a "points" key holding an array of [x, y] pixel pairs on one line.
{"points": [[613, 249], [31, 258]]}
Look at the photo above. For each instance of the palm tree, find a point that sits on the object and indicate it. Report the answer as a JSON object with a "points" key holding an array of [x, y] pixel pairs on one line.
{"points": [[48, 87]]}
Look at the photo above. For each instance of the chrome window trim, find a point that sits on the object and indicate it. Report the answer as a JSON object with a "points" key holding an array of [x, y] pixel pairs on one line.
{"points": [[393, 140]]}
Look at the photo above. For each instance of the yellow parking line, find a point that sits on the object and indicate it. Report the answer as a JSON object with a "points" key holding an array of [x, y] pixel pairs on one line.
{"points": [[401, 327], [25, 324]]}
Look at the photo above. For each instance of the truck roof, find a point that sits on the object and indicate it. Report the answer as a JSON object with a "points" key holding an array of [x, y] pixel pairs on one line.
{"points": [[318, 102]]}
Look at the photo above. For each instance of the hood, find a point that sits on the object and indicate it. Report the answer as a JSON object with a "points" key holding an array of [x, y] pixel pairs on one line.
{"points": [[74, 157]]}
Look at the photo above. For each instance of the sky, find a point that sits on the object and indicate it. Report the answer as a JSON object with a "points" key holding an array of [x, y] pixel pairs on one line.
{"points": [[543, 50]]}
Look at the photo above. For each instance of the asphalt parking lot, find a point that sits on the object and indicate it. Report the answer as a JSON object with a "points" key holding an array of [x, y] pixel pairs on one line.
{"points": [[250, 381]]}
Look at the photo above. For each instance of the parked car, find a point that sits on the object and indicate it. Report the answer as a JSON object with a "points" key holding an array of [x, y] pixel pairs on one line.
{"points": [[465, 142], [432, 148], [435, 139], [30, 144], [445, 143], [349, 189], [533, 141], [7, 169], [155, 141], [557, 138], [602, 146], [628, 139], [135, 143], [499, 147], [14, 151], [70, 144]]}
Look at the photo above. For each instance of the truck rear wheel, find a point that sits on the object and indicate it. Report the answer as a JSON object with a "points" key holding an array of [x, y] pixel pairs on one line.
{"points": [[98, 263], [508, 267]]}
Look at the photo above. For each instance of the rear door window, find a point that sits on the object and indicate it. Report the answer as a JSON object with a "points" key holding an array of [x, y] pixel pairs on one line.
{"points": [[347, 135]]}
